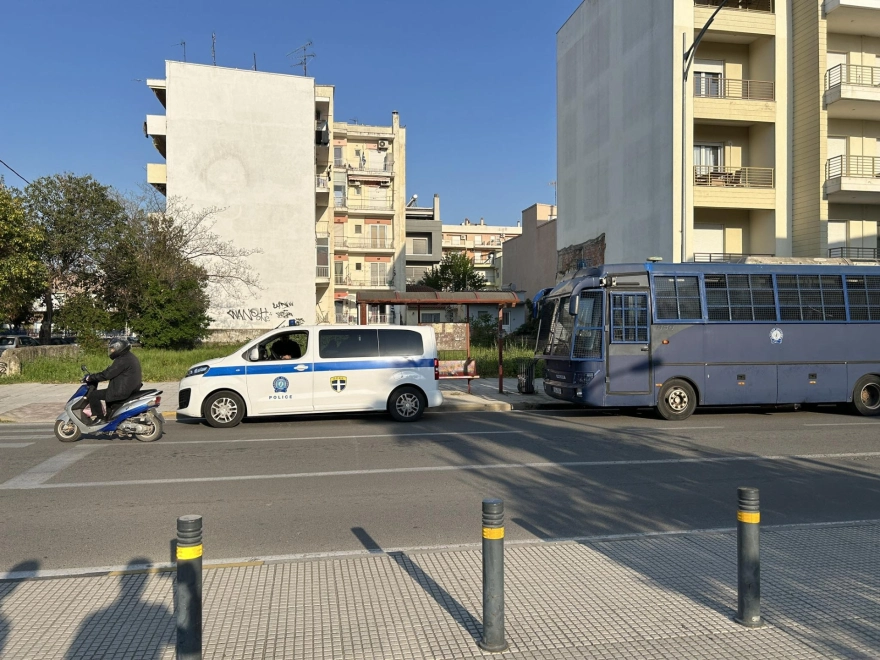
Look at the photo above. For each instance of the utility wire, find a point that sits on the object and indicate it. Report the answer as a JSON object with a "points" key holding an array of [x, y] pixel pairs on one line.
{"points": [[15, 173]]}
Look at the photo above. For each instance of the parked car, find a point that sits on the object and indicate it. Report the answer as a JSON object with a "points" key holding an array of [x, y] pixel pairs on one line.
{"points": [[16, 341]]}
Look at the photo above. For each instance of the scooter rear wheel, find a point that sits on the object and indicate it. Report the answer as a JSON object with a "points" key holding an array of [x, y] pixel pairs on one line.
{"points": [[67, 431], [158, 423]]}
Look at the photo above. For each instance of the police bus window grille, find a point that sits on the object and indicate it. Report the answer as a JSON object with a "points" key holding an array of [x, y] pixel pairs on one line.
{"points": [[810, 298], [863, 292], [546, 315], [588, 337], [677, 298], [563, 326], [740, 298], [629, 318]]}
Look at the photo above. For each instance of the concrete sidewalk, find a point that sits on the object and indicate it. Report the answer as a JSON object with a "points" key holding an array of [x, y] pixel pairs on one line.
{"points": [[36, 402], [648, 596]]}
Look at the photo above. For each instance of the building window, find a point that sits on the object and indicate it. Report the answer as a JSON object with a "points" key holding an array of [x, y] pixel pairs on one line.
{"points": [[377, 274], [357, 229], [414, 274], [417, 246], [430, 317], [478, 240], [357, 266], [378, 236]]}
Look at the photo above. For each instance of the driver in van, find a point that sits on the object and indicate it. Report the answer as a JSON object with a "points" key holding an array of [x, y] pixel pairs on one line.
{"points": [[286, 349]]}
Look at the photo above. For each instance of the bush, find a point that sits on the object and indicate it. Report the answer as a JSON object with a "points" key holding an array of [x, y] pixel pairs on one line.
{"points": [[174, 317]]}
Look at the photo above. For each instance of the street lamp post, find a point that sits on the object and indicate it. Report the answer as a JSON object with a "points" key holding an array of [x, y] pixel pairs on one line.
{"points": [[688, 56]]}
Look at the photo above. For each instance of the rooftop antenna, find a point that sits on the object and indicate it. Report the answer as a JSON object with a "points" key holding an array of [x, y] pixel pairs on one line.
{"points": [[303, 56], [353, 120], [255, 61], [213, 51], [553, 183], [182, 43]]}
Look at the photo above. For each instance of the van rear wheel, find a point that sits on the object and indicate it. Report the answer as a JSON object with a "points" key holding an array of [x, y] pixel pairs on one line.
{"points": [[677, 400], [223, 409], [866, 396], [407, 404]]}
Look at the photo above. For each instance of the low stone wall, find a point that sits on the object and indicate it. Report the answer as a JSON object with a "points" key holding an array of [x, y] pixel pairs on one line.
{"points": [[12, 358]]}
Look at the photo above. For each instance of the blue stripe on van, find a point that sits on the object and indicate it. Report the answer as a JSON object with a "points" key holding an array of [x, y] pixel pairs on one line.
{"points": [[275, 368]]}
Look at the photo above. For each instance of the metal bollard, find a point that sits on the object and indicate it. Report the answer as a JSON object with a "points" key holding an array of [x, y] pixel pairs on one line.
{"points": [[493, 577], [189, 588], [748, 559]]}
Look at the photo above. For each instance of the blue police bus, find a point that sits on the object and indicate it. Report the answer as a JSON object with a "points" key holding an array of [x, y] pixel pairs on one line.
{"points": [[676, 336]]}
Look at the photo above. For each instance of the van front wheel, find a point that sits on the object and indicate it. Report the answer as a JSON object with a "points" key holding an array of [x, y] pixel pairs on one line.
{"points": [[224, 409], [407, 404]]}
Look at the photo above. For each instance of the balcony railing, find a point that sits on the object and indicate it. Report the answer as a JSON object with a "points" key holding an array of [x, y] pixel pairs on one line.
{"points": [[858, 166], [369, 243], [339, 162], [340, 202], [733, 177], [745, 5], [724, 257], [731, 88], [350, 319], [322, 272], [377, 318], [369, 282], [387, 167], [322, 182], [371, 204], [853, 252], [852, 74]]}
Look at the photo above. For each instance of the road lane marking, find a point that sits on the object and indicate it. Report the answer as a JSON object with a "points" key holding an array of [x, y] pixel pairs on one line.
{"points": [[39, 474], [847, 424], [14, 445], [22, 483], [258, 560], [338, 437]]}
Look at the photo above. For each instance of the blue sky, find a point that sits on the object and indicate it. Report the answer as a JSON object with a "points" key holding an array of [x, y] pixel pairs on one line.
{"points": [[474, 83]]}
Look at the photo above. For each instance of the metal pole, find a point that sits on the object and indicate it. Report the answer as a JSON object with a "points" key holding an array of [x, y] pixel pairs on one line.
{"points": [[500, 352], [189, 588], [684, 151], [748, 558], [493, 577]]}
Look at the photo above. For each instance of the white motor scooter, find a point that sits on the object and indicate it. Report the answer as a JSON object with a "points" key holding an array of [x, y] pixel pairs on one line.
{"points": [[137, 416]]}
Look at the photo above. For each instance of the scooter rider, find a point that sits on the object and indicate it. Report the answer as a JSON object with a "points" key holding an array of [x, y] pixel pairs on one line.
{"points": [[124, 374]]}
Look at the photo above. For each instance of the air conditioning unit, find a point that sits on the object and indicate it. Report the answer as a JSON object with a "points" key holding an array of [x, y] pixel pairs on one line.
{"points": [[384, 184], [354, 184], [383, 144]]}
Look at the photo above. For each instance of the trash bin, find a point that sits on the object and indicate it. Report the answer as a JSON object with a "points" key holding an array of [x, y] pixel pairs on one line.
{"points": [[525, 377]]}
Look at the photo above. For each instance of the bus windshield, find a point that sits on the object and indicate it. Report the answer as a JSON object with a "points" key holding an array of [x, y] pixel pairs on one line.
{"points": [[563, 335]]}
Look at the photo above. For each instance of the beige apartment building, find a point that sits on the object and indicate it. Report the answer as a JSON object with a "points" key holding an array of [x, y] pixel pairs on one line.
{"points": [[482, 243], [322, 201], [530, 260], [775, 153]]}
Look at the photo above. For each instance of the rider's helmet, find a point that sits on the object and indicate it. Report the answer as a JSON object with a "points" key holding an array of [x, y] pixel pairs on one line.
{"points": [[117, 347]]}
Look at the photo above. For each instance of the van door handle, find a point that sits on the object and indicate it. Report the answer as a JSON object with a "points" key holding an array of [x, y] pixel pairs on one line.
{"points": [[644, 349], [300, 367]]}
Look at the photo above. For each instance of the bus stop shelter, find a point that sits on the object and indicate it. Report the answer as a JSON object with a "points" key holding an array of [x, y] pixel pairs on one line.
{"points": [[419, 299]]}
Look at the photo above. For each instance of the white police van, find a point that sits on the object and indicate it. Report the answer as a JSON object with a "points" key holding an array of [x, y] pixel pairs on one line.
{"points": [[324, 368]]}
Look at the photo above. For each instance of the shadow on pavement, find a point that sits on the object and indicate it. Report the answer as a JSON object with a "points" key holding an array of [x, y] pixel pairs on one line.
{"points": [[127, 628], [6, 589], [442, 597]]}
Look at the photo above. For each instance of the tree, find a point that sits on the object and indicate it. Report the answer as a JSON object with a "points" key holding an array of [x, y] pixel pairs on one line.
{"points": [[175, 316], [455, 272], [77, 217], [22, 274], [85, 316]]}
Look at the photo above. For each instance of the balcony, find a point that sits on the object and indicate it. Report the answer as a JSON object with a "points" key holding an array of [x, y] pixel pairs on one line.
{"points": [[347, 319], [734, 187], [457, 245], [156, 127], [724, 257], [367, 282], [742, 21], [322, 191], [729, 100], [855, 253], [322, 273], [157, 176], [853, 180], [340, 202], [852, 92], [356, 204], [369, 244], [366, 170], [373, 319], [860, 17]]}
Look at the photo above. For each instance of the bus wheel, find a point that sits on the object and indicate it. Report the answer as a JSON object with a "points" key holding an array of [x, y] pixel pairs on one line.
{"points": [[677, 400], [866, 396]]}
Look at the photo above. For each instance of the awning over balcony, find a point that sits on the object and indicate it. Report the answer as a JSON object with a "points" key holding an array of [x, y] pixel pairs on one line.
{"points": [[504, 298]]}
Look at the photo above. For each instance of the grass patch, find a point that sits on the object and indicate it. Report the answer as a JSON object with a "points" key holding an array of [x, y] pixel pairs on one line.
{"points": [[487, 360], [158, 365]]}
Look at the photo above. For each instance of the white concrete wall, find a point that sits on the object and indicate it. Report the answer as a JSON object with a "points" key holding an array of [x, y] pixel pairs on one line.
{"points": [[244, 141], [617, 126]]}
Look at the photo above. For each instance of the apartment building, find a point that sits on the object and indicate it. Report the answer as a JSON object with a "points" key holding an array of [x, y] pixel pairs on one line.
{"points": [[424, 232], [482, 243], [683, 172], [321, 201], [530, 260]]}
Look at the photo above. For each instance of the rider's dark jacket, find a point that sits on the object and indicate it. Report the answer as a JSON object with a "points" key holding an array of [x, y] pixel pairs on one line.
{"points": [[124, 374]]}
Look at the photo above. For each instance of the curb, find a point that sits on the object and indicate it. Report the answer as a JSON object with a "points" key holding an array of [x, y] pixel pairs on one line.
{"points": [[169, 415]]}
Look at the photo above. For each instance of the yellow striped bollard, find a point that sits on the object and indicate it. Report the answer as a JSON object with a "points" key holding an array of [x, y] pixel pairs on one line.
{"points": [[188, 599], [493, 577], [748, 558]]}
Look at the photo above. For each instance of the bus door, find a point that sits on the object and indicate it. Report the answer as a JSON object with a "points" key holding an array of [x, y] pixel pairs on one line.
{"points": [[629, 344]]}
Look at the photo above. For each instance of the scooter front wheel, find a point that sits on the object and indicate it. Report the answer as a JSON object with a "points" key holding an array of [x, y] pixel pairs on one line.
{"points": [[158, 423], [67, 431]]}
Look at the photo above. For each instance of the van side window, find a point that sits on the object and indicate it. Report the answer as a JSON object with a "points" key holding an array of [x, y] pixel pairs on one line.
{"points": [[289, 346], [348, 343], [400, 342]]}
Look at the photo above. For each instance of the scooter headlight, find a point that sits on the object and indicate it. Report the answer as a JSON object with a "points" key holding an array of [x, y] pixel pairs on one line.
{"points": [[197, 371]]}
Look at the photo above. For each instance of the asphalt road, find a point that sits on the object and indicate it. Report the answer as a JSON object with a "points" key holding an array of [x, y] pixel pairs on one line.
{"points": [[363, 483]]}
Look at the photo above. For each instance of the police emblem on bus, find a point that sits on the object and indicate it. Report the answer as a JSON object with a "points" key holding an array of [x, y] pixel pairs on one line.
{"points": [[776, 336], [338, 383], [280, 384]]}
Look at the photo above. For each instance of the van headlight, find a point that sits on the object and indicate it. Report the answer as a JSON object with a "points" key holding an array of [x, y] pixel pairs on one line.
{"points": [[197, 371]]}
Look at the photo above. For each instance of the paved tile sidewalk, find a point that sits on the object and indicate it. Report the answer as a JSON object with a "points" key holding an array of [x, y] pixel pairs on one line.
{"points": [[650, 597]]}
